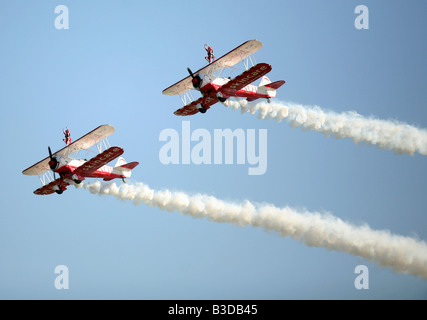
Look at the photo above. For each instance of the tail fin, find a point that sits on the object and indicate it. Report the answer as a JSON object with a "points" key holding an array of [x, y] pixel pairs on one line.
{"points": [[264, 81], [120, 161], [123, 168], [122, 165]]}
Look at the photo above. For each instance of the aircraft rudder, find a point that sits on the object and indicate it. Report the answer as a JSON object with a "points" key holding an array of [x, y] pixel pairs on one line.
{"points": [[264, 81], [120, 161]]}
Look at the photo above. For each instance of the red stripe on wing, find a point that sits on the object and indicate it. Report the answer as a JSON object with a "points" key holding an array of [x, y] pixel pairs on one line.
{"points": [[97, 162], [245, 78]]}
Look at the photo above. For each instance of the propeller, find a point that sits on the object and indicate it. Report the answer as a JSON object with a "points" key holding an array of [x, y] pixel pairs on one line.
{"points": [[190, 72], [196, 80], [53, 163]]}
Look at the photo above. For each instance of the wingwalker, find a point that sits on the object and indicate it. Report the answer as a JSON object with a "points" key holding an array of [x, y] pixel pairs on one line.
{"points": [[74, 171], [216, 89]]}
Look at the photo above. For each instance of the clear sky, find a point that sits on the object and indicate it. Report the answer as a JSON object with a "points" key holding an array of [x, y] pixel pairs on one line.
{"points": [[111, 66]]}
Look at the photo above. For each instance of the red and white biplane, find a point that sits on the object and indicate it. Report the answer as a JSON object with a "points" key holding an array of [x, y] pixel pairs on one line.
{"points": [[74, 171], [216, 89]]}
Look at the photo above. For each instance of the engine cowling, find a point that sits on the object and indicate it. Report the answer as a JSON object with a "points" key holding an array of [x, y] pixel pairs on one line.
{"points": [[197, 82], [53, 163]]}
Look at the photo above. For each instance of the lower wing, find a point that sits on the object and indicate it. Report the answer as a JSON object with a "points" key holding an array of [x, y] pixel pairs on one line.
{"points": [[191, 108], [49, 188]]}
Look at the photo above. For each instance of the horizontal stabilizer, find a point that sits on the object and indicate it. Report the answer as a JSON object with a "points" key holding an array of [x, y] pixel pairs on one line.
{"points": [[275, 85], [129, 166], [125, 168]]}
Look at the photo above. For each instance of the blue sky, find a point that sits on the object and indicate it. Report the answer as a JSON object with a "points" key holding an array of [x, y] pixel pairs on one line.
{"points": [[111, 66]]}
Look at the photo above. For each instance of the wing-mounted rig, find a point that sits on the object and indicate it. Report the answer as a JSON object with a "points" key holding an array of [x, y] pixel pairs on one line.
{"points": [[214, 88], [73, 171]]}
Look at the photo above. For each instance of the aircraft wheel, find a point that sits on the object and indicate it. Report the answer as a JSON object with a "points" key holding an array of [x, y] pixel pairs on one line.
{"points": [[59, 191], [201, 108], [220, 97], [77, 181]]}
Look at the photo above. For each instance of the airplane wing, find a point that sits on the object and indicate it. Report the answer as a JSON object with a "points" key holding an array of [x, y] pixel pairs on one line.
{"points": [[84, 142], [97, 162], [48, 188], [228, 60], [245, 78], [191, 108]]}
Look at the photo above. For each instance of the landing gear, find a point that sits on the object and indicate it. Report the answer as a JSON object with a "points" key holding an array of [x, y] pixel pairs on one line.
{"points": [[268, 100], [220, 97], [124, 180], [77, 179], [59, 189], [201, 108]]}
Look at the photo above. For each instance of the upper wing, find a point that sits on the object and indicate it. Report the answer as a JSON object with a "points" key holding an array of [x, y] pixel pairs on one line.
{"points": [[191, 108], [48, 189], [245, 78], [228, 60], [84, 142], [97, 162], [88, 140]]}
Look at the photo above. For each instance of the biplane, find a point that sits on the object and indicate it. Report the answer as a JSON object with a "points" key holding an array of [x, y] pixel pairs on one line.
{"points": [[73, 171], [215, 88]]}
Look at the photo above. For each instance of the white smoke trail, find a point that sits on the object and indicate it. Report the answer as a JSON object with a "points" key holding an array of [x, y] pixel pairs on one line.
{"points": [[401, 254], [392, 135]]}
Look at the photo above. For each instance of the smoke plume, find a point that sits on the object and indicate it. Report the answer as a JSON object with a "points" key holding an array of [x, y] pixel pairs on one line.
{"points": [[401, 254], [385, 134]]}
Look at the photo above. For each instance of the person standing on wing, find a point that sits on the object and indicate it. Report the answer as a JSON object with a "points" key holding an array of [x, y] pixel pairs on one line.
{"points": [[210, 57], [67, 135]]}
